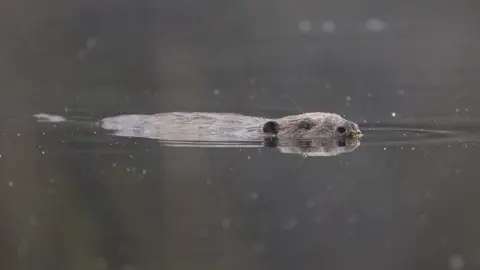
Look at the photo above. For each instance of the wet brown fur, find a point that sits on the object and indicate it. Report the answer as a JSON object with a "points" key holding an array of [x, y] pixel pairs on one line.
{"points": [[315, 125]]}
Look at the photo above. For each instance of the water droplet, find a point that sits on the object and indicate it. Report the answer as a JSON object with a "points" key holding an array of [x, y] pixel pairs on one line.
{"points": [[328, 27], [456, 262], [394, 114], [369, 95], [291, 224], [10, 183], [144, 171], [226, 223], [91, 43], [216, 92], [375, 25], [209, 182], [114, 164], [18, 134], [248, 157], [348, 98], [401, 92], [305, 26], [43, 152], [385, 148], [457, 110], [254, 195]]}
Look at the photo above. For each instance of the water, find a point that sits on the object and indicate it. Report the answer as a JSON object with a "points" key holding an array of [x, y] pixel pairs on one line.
{"points": [[405, 191], [76, 197]]}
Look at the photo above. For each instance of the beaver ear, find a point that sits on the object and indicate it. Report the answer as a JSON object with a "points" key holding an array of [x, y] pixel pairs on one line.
{"points": [[271, 127]]}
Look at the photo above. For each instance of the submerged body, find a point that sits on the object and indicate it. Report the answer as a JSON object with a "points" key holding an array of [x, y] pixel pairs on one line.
{"points": [[316, 133], [186, 126]]}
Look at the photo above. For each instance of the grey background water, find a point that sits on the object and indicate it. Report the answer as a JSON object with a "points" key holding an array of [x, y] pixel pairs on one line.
{"points": [[78, 199]]}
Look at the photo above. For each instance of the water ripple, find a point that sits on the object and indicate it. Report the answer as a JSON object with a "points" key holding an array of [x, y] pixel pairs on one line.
{"points": [[418, 134]]}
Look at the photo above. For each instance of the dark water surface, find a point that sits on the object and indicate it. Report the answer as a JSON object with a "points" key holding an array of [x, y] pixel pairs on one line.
{"points": [[75, 197]]}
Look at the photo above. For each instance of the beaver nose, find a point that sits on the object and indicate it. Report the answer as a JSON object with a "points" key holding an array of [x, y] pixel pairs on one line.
{"points": [[353, 130]]}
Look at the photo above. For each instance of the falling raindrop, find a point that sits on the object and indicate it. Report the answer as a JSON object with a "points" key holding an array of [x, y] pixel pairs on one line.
{"points": [[305, 26], [456, 262], [226, 223]]}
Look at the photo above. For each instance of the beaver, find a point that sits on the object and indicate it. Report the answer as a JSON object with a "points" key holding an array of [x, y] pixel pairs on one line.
{"points": [[315, 132], [230, 126]]}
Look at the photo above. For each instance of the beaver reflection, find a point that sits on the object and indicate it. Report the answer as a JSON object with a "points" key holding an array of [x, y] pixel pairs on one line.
{"points": [[313, 147]]}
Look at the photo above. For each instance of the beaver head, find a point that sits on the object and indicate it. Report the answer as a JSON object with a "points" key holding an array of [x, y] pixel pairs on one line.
{"points": [[312, 125]]}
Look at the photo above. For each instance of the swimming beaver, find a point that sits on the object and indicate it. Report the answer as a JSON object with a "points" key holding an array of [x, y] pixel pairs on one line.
{"points": [[196, 126], [229, 126], [316, 132]]}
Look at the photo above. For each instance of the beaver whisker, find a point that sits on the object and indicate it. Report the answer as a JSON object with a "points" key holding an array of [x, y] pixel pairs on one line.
{"points": [[304, 156], [300, 110]]}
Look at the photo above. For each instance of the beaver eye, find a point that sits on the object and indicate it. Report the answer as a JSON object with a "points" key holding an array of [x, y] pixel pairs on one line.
{"points": [[306, 125], [341, 130]]}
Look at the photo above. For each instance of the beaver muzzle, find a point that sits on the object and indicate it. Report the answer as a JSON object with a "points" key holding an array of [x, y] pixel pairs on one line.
{"points": [[354, 134]]}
